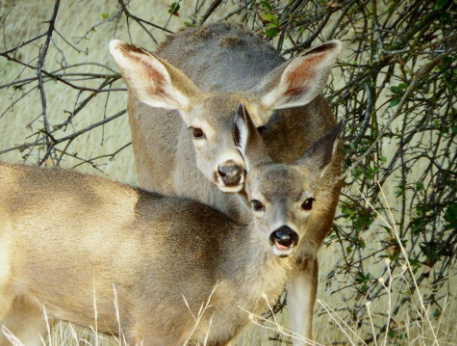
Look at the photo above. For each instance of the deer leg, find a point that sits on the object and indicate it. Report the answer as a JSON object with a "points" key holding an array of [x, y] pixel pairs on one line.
{"points": [[301, 295], [5, 307], [26, 322]]}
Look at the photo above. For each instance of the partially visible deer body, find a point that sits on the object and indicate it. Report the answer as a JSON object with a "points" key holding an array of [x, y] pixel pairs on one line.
{"points": [[203, 74], [74, 244]]}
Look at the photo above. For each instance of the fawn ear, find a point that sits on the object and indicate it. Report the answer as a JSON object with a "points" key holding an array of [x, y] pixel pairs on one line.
{"points": [[320, 154], [153, 80], [248, 140], [296, 82]]}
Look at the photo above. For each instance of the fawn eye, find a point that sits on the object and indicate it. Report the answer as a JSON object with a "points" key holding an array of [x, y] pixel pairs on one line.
{"points": [[257, 205], [308, 204], [197, 133]]}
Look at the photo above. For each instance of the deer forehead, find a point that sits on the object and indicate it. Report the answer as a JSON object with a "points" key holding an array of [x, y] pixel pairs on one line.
{"points": [[218, 107], [280, 182]]}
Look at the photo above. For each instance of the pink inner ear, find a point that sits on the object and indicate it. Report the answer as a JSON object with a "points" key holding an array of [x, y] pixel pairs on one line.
{"points": [[304, 72], [155, 79]]}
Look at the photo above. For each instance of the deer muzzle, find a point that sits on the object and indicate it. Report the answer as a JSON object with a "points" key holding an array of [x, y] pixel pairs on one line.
{"points": [[283, 240], [230, 174]]}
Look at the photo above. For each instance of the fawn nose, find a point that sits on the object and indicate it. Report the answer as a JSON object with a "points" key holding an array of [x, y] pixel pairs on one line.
{"points": [[284, 236], [230, 173]]}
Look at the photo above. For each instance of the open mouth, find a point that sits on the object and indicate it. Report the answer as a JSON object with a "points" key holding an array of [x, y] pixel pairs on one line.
{"points": [[230, 189], [281, 250]]}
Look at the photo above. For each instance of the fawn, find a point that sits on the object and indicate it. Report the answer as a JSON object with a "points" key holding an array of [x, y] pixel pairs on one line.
{"points": [[79, 246]]}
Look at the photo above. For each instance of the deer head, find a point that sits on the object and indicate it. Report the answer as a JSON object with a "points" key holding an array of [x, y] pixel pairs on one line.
{"points": [[209, 115], [285, 197]]}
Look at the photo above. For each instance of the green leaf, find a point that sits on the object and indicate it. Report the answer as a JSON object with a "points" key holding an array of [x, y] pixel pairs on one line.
{"points": [[419, 186], [271, 17], [439, 4], [391, 334], [454, 129], [266, 5], [451, 216], [418, 225], [356, 172], [272, 32], [413, 262], [391, 7], [399, 88], [174, 8], [395, 102], [105, 15], [436, 314]]}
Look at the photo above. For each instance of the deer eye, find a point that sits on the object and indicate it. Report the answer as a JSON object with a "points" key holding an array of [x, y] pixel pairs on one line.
{"points": [[308, 204], [257, 205], [197, 133]]}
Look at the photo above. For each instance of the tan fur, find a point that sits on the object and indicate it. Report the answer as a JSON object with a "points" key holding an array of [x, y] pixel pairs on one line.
{"points": [[250, 72], [77, 246]]}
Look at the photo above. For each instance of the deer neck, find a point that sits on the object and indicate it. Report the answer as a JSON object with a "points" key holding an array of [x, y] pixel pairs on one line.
{"points": [[259, 274]]}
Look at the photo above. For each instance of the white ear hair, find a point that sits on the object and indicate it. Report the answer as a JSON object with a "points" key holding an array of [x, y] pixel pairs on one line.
{"points": [[324, 169], [301, 79], [149, 78], [242, 133], [249, 140]]}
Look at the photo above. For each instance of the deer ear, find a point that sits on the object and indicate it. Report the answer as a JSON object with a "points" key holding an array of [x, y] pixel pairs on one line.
{"points": [[320, 154], [153, 80], [298, 81], [248, 140]]}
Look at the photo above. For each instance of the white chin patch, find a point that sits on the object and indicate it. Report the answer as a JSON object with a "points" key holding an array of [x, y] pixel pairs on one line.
{"points": [[230, 189], [281, 251]]}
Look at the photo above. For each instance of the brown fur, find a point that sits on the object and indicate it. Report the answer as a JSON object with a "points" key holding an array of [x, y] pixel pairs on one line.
{"points": [[230, 41], [203, 33]]}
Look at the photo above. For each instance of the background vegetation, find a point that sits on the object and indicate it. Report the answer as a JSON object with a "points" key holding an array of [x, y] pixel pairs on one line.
{"points": [[388, 271]]}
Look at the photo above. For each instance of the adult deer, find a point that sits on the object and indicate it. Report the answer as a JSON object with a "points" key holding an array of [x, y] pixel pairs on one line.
{"points": [[186, 94], [79, 246]]}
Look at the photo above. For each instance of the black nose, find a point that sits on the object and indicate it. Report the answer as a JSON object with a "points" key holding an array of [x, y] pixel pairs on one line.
{"points": [[230, 174], [284, 236]]}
